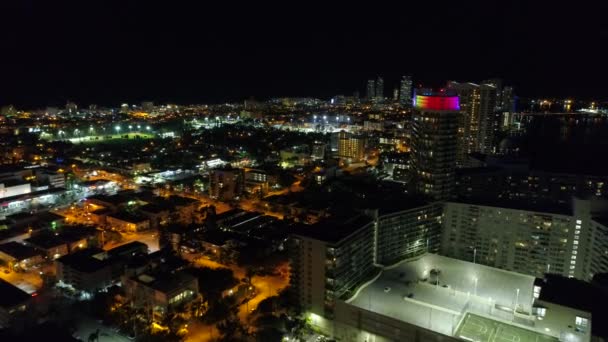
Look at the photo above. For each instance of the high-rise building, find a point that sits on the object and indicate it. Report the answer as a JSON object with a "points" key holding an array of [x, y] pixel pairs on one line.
{"points": [[375, 277], [405, 93], [379, 89], [351, 147], [395, 94], [226, 184], [332, 258], [468, 120], [434, 130], [478, 119], [529, 239], [371, 90], [489, 118]]}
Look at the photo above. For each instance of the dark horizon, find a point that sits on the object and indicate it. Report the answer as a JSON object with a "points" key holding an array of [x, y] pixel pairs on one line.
{"points": [[109, 53]]}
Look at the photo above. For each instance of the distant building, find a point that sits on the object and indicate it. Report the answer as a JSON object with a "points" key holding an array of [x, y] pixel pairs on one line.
{"points": [[398, 166], [479, 119], [371, 90], [351, 147], [226, 184], [147, 106], [318, 151], [379, 90], [256, 181], [434, 138], [405, 91]]}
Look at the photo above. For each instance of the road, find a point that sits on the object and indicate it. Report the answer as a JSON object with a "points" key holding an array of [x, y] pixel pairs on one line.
{"points": [[264, 286]]}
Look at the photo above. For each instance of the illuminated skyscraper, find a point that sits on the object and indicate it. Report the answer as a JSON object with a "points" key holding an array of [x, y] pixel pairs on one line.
{"points": [[405, 93], [468, 120], [434, 128], [478, 118], [371, 90], [396, 94], [379, 89], [489, 118]]}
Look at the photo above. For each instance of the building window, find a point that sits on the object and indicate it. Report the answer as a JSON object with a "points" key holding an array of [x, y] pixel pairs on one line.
{"points": [[581, 324]]}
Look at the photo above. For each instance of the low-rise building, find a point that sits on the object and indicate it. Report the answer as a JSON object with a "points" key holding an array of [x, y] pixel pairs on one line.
{"points": [[127, 222], [13, 303], [86, 270], [160, 292], [20, 256]]}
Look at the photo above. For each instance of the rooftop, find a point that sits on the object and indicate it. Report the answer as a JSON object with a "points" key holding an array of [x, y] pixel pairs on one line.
{"points": [[335, 229], [84, 260], [10, 295], [551, 208], [128, 248], [45, 241], [128, 217], [18, 251], [414, 295], [166, 282]]}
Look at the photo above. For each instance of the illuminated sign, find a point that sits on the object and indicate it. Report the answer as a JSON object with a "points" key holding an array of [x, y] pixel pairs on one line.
{"points": [[436, 102]]}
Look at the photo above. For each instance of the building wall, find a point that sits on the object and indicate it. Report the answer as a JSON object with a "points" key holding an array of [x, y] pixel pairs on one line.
{"points": [[408, 234], [351, 147], [598, 262], [348, 264], [127, 226], [434, 152], [307, 262], [523, 241], [15, 190], [355, 324], [226, 184], [89, 281]]}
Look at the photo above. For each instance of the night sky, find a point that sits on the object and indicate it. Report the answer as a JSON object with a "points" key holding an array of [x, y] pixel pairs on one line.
{"points": [[107, 52]]}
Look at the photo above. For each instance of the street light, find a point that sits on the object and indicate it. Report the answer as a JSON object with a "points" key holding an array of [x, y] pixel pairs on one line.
{"points": [[117, 128], [516, 301], [474, 253], [475, 280]]}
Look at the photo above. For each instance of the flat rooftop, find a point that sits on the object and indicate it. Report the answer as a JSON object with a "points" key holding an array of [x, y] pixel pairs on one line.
{"points": [[334, 230], [410, 292], [166, 282], [18, 251], [11, 296]]}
